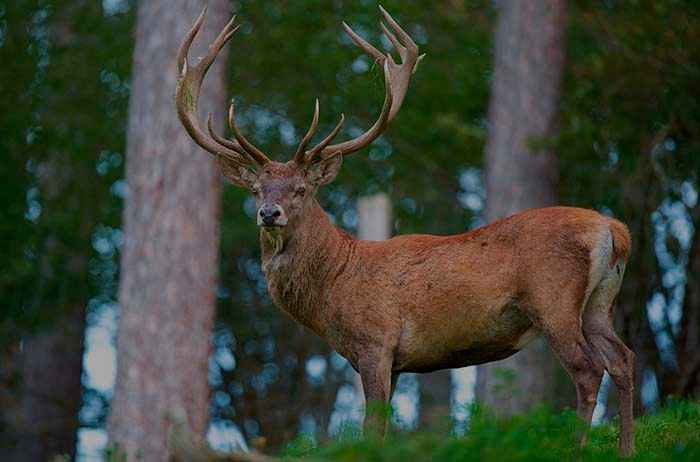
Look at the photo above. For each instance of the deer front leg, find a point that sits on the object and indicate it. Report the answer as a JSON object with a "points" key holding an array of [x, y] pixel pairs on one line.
{"points": [[378, 384]]}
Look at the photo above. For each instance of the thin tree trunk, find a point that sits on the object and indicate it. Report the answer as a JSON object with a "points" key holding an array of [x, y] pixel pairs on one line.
{"points": [[529, 57], [435, 398], [167, 290], [40, 412]]}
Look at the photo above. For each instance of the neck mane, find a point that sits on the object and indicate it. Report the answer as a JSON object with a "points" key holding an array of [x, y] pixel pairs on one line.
{"points": [[302, 265]]}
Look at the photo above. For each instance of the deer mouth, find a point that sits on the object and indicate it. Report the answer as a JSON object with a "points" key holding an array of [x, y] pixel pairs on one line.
{"points": [[274, 232]]}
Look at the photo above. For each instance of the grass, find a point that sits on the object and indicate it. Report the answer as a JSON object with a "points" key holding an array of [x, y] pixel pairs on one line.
{"points": [[672, 433]]}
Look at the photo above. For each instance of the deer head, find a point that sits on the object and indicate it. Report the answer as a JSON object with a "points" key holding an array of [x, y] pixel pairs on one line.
{"points": [[283, 190]]}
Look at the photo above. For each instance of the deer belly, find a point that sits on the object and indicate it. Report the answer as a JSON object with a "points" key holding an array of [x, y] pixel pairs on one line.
{"points": [[463, 342]]}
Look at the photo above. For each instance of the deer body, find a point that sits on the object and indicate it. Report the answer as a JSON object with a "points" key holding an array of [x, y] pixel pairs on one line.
{"points": [[436, 302], [418, 303]]}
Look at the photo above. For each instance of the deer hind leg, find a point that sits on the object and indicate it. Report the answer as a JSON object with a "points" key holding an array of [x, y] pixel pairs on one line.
{"points": [[617, 358], [585, 369], [560, 322]]}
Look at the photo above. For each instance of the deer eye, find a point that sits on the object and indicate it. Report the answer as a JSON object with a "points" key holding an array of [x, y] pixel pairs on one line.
{"points": [[300, 191]]}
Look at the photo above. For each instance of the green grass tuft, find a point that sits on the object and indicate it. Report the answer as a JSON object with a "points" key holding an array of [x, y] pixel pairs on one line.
{"points": [[673, 433]]}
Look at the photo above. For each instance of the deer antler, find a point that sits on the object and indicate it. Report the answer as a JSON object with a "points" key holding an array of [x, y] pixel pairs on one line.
{"points": [[240, 152], [396, 80], [304, 156]]}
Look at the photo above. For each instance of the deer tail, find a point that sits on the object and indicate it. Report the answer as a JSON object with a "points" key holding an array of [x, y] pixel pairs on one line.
{"points": [[622, 241]]}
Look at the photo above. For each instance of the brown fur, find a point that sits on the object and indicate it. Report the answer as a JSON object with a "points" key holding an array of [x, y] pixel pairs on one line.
{"points": [[418, 303], [425, 281]]}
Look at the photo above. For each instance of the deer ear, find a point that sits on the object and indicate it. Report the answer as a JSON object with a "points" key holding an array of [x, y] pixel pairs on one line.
{"points": [[240, 176], [324, 171]]}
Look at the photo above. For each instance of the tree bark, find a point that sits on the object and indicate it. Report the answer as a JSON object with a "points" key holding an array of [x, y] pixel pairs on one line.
{"points": [[529, 58], [40, 412], [169, 265], [435, 398]]}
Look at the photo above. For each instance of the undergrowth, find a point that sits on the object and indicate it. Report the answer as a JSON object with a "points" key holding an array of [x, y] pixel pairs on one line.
{"points": [[672, 433]]}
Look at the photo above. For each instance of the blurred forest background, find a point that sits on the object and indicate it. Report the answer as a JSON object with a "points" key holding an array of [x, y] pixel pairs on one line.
{"points": [[625, 140]]}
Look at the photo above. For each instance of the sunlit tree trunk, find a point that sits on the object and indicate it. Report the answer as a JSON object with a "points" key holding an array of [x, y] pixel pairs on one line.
{"points": [[169, 265], [520, 174]]}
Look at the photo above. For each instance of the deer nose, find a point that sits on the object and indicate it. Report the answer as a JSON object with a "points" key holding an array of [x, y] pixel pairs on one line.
{"points": [[269, 215]]}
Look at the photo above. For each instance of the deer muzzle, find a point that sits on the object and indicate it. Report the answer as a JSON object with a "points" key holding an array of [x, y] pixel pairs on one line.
{"points": [[272, 215]]}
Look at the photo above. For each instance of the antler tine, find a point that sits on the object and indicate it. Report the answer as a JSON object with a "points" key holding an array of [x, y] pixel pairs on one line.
{"points": [[231, 144], [362, 43], [396, 77], [407, 40], [234, 144], [218, 138], [392, 38], [252, 152], [188, 88], [350, 146], [299, 154], [216, 46], [184, 49], [408, 50], [310, 154], [249, 147]]}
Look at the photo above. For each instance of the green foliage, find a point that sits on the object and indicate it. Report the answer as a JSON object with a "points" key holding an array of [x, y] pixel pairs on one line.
{"points": [[65, 88], [62, 134], [632, 81], [671, 434]]}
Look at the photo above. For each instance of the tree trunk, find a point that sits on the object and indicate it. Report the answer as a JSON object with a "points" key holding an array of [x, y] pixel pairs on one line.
{"points": [[435, 399], [529, 57], [40, 412], [169, 265]]}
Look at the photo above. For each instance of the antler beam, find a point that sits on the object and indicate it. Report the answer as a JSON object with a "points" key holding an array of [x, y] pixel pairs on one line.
{"points": [[242, 154], [396, 80]]}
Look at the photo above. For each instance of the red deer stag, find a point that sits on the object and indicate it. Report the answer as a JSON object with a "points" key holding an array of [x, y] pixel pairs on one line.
{"points": [[419, 303]]}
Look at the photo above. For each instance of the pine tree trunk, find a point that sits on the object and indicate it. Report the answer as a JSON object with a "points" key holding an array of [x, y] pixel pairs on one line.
{"points": [[169, 265], [40, 412], [529, 57]]}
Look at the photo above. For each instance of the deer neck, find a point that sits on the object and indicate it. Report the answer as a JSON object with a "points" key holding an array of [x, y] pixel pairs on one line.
{"points": [[301, 265]]}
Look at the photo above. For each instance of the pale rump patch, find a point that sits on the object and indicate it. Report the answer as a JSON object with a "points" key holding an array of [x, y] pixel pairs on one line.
{"points": [[604, 284], [607, 289], [602, 249]]}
